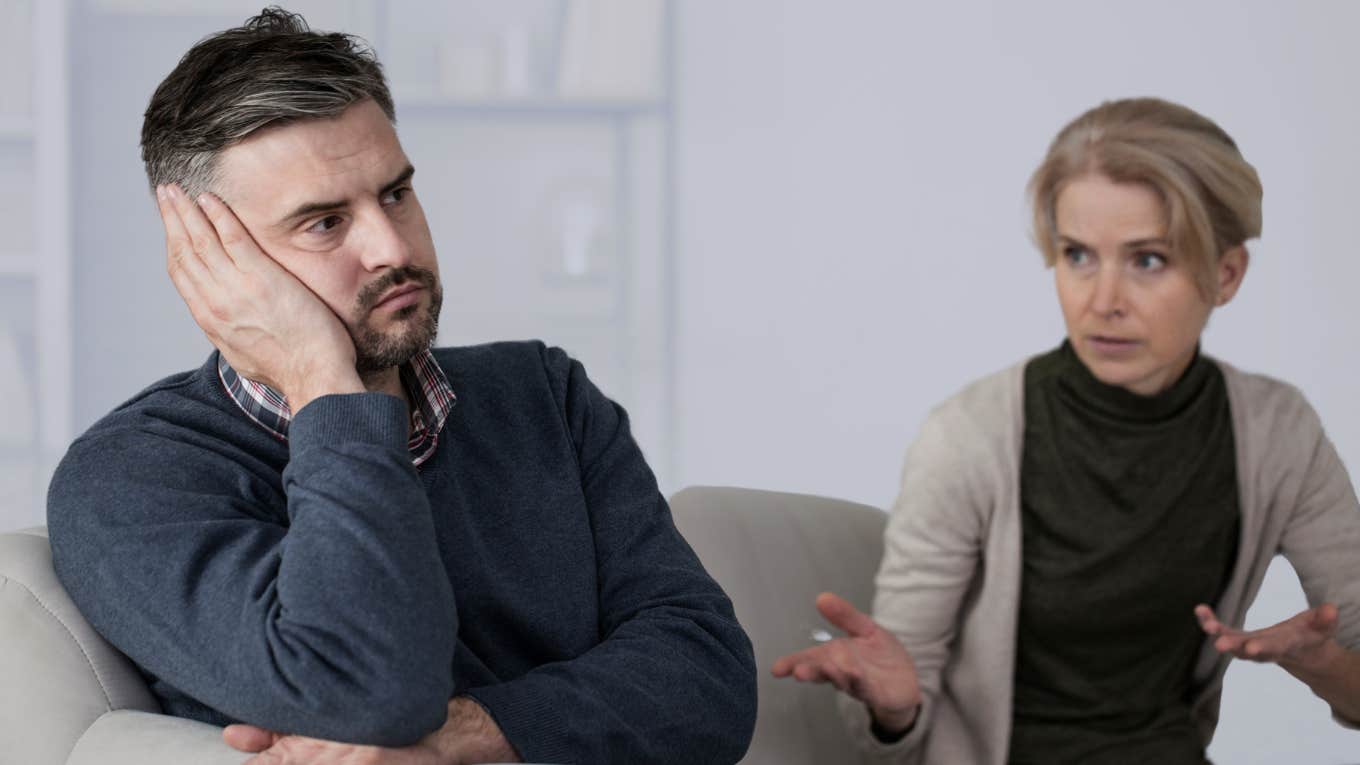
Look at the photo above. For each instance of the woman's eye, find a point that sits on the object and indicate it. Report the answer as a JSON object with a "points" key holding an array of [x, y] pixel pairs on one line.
{"points": [[1150, 261], [1075, 255], [325, 224]]}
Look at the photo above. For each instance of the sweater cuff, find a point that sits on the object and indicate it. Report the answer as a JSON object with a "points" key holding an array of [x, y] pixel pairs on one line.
{"points": [[531, 722], [860, 724], [374, 418]]}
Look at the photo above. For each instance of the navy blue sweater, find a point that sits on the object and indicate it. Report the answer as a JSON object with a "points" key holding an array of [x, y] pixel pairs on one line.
{"points": [[326, 587]]}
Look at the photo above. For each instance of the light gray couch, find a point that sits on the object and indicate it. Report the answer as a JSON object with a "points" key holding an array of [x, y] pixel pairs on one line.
{"points": [[68, 697], [773, 553]]}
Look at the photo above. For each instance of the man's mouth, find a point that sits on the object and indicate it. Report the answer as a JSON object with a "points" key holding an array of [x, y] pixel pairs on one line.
{"points": [[399, 297]]}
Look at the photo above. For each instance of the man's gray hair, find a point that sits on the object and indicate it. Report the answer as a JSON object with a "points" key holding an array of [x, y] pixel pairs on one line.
{"points": [[269, 71]]}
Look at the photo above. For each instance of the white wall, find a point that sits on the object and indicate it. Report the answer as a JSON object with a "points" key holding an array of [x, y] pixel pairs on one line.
{"points": [[853, 247]]}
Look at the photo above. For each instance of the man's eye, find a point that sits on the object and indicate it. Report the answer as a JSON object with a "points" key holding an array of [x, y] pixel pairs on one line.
{"points": [[396, 196], [326, 224]]}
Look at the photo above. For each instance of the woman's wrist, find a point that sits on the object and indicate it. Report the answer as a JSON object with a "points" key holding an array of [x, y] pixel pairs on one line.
{"points": [[890, 726], [1320, 661]]}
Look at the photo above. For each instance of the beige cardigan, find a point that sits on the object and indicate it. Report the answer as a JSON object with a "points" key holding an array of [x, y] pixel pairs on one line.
{"points": [[948, 586]]}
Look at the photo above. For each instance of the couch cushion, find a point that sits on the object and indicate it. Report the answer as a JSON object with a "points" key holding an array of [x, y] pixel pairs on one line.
{"points": [[57, 676], [773, 553]]}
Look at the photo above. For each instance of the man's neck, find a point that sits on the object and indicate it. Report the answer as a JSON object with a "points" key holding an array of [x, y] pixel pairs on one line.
{"points": [[387, 381]]}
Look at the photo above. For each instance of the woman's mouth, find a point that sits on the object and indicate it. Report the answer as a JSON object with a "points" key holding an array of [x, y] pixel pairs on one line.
{"points": [[1110, 345]]}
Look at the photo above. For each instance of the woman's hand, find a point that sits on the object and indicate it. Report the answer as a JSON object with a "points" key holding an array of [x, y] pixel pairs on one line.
{"points": [[869, 664], [1303, 640]]}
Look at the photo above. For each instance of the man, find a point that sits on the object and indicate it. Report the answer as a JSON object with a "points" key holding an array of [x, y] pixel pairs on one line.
{"points": [[361, 549]]}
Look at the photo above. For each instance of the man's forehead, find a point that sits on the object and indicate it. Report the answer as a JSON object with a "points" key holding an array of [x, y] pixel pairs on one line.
{"points": [[354, 152]]}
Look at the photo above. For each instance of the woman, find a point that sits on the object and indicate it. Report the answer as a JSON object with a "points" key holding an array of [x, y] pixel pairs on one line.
{"points": [[1064, 526]]}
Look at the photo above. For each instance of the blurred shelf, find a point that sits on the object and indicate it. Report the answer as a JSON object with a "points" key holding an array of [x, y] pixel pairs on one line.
{"points": [[15, 128], [17, 264], [414, 105]]}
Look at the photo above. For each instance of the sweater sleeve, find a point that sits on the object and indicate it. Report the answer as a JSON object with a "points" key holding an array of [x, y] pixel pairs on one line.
{"points": [[673, 679], [337, 622], [1322, 534], [931, 553]]}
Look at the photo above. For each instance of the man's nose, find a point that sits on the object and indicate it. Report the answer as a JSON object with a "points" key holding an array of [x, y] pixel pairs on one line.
{"points": [[384, 245]]}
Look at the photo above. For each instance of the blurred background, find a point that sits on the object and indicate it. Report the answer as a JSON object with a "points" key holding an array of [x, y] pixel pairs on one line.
{"points": [[777, 231]]}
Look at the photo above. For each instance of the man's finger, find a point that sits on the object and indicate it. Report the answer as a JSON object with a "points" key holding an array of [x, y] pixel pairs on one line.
{"points": [[841, 613], [248, 738], [239, 245], [200, 231], [179, 249]]}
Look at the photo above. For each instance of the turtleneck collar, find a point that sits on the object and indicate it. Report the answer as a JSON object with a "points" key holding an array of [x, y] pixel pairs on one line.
{"points": [[1076, 380]]}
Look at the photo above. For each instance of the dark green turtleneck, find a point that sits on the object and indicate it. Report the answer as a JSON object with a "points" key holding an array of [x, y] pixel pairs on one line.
{"points": [[1130, 518]]}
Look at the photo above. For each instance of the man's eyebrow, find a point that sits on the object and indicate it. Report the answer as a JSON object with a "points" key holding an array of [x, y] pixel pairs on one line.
{"points": [[403, 177], [307, 209]]}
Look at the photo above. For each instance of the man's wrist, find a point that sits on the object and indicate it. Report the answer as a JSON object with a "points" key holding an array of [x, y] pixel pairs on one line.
{"points": [[470, 735], [314, 386]]}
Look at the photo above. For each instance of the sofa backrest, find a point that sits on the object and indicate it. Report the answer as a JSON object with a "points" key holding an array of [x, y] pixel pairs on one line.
{"points": [[57, 675], [773, 553]]}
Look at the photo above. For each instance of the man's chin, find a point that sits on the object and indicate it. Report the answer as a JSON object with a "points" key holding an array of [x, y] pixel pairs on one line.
{"points": [[385, 341]]}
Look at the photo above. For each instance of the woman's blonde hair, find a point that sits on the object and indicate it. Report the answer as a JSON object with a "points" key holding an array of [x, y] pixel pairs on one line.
{"points": [[1210, 194]]}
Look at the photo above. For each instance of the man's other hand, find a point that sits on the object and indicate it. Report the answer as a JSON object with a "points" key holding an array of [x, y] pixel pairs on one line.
{"points": [[270, 327], [275, 749], [468, 736]]}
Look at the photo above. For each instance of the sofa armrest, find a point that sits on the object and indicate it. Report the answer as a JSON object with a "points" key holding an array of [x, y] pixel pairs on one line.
{"points": [[57, 675], [127, 737]]}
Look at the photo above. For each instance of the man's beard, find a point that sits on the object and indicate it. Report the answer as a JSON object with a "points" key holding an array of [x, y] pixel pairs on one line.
{"points": [[376, 351]]}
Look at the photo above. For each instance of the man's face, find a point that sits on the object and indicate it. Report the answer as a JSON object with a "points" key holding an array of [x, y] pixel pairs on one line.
{"points": [[331, 201]]}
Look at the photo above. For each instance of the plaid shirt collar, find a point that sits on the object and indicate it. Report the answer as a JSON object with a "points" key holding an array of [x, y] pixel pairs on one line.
{"points": [[425, 383]]}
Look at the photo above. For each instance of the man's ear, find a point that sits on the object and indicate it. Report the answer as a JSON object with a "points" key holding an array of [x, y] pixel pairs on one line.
{"points": [[1232, 268]]}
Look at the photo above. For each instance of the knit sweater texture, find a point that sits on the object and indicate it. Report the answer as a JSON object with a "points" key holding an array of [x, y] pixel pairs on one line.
{"points": [[325, 586]]}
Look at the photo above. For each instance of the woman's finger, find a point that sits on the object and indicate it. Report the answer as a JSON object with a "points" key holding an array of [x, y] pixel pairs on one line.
{"points": [[841, 613], [1325, 619], [785, 664], [1208, 620], [809, 672]]}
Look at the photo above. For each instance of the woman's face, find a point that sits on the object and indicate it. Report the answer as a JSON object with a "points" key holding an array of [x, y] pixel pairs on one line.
{"points": [[1133, 309]]}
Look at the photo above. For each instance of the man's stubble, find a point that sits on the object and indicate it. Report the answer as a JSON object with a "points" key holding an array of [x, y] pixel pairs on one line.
{"points": [[375, 350]]}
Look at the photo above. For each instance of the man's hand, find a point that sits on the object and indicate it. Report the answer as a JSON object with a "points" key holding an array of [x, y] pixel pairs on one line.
{"points": [[270, 327], [272, 748], [1301, 641], [468, 736], [869, 664]]}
